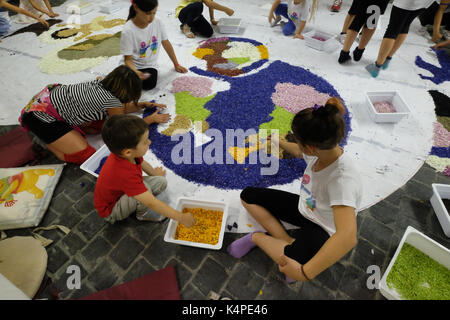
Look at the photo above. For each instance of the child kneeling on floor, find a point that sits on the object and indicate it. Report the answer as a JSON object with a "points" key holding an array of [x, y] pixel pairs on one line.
{"points": [[121, 189], [326, 208]]}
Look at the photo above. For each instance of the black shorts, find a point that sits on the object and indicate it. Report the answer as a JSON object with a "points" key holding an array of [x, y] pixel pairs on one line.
{"points": [[399, 21], [284, 206], [352, 11], [361, 15], [47, 132]]}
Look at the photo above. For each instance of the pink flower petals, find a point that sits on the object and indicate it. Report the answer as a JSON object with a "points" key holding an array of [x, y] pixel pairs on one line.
{"points": [[447, 171], [197, 86], [384, 107], [441, 136], [295, 98]]}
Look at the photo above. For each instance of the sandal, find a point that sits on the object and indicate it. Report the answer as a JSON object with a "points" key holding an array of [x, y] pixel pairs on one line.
{"points": [[187, 31]]}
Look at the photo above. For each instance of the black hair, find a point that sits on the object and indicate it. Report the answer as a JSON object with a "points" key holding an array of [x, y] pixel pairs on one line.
{"points": [[123, 131], [322, 127], [124, 84], [144, 5]]}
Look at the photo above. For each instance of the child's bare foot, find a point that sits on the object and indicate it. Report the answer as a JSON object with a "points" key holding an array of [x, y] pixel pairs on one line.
{"points": [[187, 31]]}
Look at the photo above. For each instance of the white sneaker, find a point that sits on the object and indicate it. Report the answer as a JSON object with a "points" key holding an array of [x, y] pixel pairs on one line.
{"points": [[275, 22], [151, 216]]}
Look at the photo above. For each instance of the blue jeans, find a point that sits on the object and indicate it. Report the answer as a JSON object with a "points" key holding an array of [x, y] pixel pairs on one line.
{"points": [[290, 27], [4, 26]]}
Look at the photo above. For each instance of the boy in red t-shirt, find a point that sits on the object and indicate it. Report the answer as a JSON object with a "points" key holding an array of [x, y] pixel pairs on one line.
{"points": [[121, 189]]}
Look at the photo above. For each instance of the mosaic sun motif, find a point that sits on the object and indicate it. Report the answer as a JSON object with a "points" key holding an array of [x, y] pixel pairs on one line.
{"points": [[267, 98]]}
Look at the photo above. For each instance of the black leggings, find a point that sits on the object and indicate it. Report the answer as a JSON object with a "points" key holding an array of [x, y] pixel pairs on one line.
{"points": [[150, 82], [192, 16], [428, 16], [361, 15], [399, 21], [284, 206]]}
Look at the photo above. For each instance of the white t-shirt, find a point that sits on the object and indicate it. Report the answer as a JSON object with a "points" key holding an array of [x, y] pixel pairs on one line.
{"points": [[143, 44], [412, 5], [299, 12], [337, 184]]}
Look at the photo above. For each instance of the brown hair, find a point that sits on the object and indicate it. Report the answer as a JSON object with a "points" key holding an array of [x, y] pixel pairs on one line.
{"points": [[123, 131], [124, 84], [321, 127]]}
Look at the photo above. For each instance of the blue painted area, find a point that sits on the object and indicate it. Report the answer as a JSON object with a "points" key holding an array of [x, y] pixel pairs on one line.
{"points": [[440, 74]]}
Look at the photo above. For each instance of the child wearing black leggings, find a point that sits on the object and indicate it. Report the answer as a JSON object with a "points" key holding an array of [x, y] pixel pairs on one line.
{"points": [[189, 12], [326, 208]]}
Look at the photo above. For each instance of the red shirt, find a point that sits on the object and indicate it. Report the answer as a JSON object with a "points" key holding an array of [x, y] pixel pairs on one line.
{"points": [[117, 177]]}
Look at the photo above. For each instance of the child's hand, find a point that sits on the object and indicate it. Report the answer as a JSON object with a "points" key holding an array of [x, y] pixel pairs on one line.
{"points": [[187, 219], [274, 139], [51, 14], [157, 117], [180, 69], [437, 38], [214, 22], [298, 36], [271, 16], [44, 23], [289, 267], [148, 104], [159, 171], [142, 76], [229, 11]]}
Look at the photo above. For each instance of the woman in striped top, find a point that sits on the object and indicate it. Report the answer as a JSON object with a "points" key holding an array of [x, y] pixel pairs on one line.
{"points": [[61, 114]]}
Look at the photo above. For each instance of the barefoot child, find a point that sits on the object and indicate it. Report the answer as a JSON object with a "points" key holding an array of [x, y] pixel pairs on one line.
{"points": [[121, 189], [141, 41], [326, 208]]}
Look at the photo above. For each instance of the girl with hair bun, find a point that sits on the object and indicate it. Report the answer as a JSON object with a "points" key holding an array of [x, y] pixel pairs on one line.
{"points": [[326, 208]]}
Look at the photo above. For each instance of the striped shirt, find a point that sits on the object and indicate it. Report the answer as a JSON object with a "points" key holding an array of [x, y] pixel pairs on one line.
{"points": [[80, 103]]}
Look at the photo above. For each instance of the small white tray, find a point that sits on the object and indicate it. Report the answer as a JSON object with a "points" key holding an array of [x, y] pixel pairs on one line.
{"points": [[441, 191], [194, 203], [421, 242], [394, 98], [91, 164], [229, 25], [317, 44]]}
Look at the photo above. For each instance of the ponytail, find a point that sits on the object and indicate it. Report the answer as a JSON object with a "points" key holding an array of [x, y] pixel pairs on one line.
{"points": [[144, 5], [322, 126]]}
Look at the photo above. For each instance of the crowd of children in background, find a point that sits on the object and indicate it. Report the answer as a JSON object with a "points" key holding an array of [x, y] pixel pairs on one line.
{"points": [[330, 194]]}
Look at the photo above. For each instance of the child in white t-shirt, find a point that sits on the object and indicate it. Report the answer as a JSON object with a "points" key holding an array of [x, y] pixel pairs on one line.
{"points": [[297, 13], [141, 41], [326, 208]]}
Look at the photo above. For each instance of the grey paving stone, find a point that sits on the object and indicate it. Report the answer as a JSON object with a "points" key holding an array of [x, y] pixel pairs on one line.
{"points": [[354, 284], [139, 269], [191, 256], [425, 175], [211, 276], [192, 293], [84, 291], [90, 225], [222, 256], [385, 213], [418, 190], [404, 221], [396, 197], [85, 204], [159, 252], [244, 283], [146, 232], [70, 218], [443, 179], [72, 172], [312, 290], [56, 258], [366, 255], [104, 276], [342, 296], [126, 251], [72, 243], [376, 232], [50, 217], [258, 261], [276, 289], [95, 251], [76, 190], [331, 277], [114, 232], [184, 275], [61, 203]]}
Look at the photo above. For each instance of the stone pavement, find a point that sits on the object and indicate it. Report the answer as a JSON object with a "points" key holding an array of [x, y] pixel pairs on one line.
{"points": [[109, 255]]}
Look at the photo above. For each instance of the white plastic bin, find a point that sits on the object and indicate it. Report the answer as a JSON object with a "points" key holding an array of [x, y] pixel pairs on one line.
{"points": [[229, 25], [91, 164], [110, 6], [421, 242], [392, 97], [194, 203], [79, 7], [317, 44], [441, 191]]}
